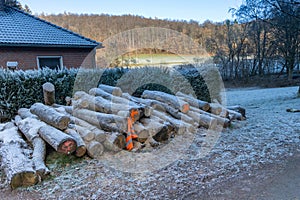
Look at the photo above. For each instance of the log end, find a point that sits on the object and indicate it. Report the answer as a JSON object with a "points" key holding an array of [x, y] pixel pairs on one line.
{"points": [[67, 147], [24, 179], [80, 151], [185, 108]]}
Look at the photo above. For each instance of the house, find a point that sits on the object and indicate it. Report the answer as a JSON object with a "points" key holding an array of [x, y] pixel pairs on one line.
{"points": [[27, 42]]}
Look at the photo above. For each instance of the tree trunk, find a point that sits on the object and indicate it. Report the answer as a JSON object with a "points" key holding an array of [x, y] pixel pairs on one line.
{"points": [[203, 120], [30, 127], [168, 99], [239, 109], [17, 166], [24, 113], [116, 91], [158, 131], [127, 101], [224, 122], [99, 134], [102, 105], [181, 127], [60, 141], [81, 148], [193, 101], [106, 122], [50, 116], [49, 93], [85, 133]]}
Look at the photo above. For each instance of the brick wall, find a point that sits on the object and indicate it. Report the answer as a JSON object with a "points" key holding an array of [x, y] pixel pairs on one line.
{"points": [[27, 57]]}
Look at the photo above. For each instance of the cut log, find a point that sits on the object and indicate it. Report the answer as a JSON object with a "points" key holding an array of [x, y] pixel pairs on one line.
{"points": [[85, 133], [121, 100], [181, 127], [155, 105], [18, 168], [116, 91], [49, 93], [102, 105], [142, 132], [168, 99], [38, 157], [99, 134], [203, 120], [115, 142], [102, 121], [193, 101], [224, 122], [60, 141], [81, 147], [29, 127], [50, 116], [238, 109], [215, 108], [233, 115], [95, 149], [158, 131], [24, 113]]}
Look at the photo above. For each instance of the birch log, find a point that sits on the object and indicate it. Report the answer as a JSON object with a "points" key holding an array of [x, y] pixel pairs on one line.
{"points": [[18, 168], [50, 116]]}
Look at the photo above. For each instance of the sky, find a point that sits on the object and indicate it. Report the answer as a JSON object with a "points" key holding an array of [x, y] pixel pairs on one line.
{"points": [[198, 10]]}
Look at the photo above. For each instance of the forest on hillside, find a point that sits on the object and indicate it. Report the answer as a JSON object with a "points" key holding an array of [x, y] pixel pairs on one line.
{"points": [[264, 38]]}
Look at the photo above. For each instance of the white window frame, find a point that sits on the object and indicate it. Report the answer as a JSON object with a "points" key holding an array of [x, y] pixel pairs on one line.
{"points": [[60, 60]]}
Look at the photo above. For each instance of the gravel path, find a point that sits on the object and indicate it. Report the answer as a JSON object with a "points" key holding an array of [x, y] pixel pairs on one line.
{"points": [[244, 152]]}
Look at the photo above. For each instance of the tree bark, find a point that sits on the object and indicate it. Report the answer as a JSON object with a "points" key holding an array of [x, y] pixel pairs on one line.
{"points": [[17, 166], [193, 101], [50, 116], [81, 147], [168, 99], [60, 141], [49, 93]]}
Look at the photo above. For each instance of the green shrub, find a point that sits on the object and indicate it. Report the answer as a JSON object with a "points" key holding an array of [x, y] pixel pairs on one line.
{"points": [[21, 89]]}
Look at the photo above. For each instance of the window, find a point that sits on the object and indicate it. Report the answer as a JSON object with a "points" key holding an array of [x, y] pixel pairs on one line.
{"points": [[52, 62]]}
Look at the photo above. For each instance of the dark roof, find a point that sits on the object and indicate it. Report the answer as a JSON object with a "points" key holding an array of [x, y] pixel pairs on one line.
{"points": [[18, 28]]}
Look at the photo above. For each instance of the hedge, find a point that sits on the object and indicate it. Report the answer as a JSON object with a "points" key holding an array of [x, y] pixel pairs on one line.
{"points": [[24, 88]]}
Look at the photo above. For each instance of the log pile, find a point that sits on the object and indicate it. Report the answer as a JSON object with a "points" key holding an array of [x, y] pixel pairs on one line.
{"points": [[104, 120]]}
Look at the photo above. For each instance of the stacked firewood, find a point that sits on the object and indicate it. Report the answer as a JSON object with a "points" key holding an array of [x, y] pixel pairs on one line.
{"points": [[104, 120]]}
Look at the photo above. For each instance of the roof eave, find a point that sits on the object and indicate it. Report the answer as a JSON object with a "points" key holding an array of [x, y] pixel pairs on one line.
{"points": [[99, 45]]}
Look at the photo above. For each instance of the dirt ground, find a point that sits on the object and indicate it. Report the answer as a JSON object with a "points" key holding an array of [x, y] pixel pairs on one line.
{"points": [[255, 159]]}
